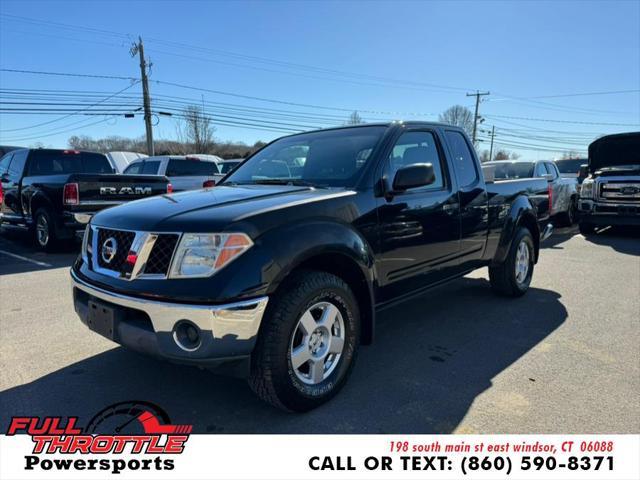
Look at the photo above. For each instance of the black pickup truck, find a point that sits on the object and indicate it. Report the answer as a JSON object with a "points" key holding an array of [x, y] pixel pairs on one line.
{"points": [[54, 193], [278, 271]]}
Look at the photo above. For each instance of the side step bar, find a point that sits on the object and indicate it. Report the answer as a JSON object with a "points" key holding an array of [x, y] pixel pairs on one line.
{"points": [[546, 233]]}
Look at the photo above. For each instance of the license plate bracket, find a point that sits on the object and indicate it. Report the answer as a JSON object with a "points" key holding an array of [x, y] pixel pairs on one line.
{"points": [[101, 319]]}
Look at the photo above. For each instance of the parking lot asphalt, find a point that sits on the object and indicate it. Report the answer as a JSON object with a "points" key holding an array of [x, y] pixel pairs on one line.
{"points": [[564, 358]]}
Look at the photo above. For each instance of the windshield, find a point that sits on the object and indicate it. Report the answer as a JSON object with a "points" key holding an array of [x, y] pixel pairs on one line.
{"points": [[330, 158], [511, 170], [570, 165]]}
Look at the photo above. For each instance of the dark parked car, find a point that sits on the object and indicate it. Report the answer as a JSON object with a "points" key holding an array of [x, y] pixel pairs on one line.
{"points": [[570, 167], [563, 194], [55, 192], [277, 272], [611, 193]]}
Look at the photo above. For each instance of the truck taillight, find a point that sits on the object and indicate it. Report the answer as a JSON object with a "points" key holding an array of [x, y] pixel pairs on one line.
{"points": [[550, 190], [70, 194], [208, 184], [1, 194], [169, 188]]}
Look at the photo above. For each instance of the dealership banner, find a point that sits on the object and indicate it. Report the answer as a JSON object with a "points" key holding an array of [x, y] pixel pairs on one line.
{"points": [[59, 449]]}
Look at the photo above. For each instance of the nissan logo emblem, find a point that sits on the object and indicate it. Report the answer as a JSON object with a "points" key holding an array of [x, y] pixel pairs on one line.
{"points": [[109, 249]]}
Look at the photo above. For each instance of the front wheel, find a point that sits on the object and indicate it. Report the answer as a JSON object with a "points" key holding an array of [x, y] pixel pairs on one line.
{"points": [[586, 228], [513, 276], [307, 343]]}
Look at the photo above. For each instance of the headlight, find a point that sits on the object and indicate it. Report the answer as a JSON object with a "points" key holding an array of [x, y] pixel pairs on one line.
{"points": [[203, 254], [587, 188]]}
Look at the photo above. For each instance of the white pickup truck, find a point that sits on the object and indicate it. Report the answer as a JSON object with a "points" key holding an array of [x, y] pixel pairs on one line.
{"points": [[185, 172]]}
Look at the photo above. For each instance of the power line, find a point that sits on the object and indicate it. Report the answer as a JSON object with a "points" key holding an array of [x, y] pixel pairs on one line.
{"points": [[66, 74], [565, 121], [66, 116]]}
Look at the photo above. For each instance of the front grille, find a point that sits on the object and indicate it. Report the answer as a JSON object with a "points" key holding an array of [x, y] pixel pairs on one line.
{"points": [[160, 257], [123, 245], [620, 191]]}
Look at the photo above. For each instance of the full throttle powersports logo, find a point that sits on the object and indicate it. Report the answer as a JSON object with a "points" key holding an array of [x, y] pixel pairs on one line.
{"points": [[138, 427]]}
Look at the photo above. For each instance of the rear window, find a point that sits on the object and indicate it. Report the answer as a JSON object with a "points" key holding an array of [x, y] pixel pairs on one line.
{"points": [[150, 168], [508, 171], [56, 162], [183, 168], [226, 167], [570, 166]]}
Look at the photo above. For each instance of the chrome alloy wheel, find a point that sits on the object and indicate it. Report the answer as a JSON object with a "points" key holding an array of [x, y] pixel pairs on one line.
{"points": [[522, 262], [317, 343], [42, 230]]}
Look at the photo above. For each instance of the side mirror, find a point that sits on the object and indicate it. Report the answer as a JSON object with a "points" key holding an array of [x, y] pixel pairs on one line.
{"points": [[583, 172], [412, 176], [548, 177]]}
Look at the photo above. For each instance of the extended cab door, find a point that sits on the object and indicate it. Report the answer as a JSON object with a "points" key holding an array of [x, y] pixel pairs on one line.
{"points": [[473, 199], [420, 227], [11, 174]]}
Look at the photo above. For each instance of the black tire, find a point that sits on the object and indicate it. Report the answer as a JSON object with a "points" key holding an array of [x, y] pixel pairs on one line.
{"points": [[272, 376], [46, 242], [503, 277], [568, 218], [586, 228]]}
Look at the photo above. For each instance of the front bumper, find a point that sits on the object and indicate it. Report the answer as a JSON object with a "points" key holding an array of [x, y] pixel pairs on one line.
{"points": [[601, 214], [226, 333]]}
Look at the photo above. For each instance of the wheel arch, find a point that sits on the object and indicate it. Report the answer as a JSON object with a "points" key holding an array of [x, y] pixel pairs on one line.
{"points": [[521, 214], [330, 247]]}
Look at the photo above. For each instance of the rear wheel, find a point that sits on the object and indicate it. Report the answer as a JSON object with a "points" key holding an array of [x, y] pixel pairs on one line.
{"points": [[513, 276], [44, 230], [569, 217], [307, 344]]}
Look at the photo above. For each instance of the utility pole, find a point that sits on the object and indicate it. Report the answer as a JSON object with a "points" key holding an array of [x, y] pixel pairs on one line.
{"points": [[493, 134], [478, 94], [138, 49]]}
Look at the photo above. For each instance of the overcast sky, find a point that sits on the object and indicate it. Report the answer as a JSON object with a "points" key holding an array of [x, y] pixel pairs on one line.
{"points": [[264, 69]]}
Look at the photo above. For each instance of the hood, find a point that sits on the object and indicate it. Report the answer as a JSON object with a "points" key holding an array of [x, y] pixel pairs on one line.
{"points": [[620, 150], [208, 210]]}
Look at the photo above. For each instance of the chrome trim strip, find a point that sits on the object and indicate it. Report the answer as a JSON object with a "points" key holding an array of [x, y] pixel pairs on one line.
{"points": [[546, 233], [89, 203], [143, 250], [142, 246], [241, 320]]}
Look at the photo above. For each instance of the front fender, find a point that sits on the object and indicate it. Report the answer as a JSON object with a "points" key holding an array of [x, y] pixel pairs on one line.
{"points": [[295, 244], [522, 212]]}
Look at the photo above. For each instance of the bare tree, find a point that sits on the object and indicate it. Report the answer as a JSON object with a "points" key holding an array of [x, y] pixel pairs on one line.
{"points": [[506, 155], [354, 119], [459, 116], [570, 154], [196, 129]]}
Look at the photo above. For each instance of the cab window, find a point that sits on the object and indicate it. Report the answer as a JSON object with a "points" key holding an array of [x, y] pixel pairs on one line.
{"points": [[133, 169], [414, 148], [462, 158]]}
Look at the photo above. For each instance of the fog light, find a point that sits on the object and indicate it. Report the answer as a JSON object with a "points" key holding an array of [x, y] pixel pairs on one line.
{"points": [[186, 334]]}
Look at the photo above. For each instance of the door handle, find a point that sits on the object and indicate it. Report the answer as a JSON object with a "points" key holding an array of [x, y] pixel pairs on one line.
{"points": [[450, 207]]}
